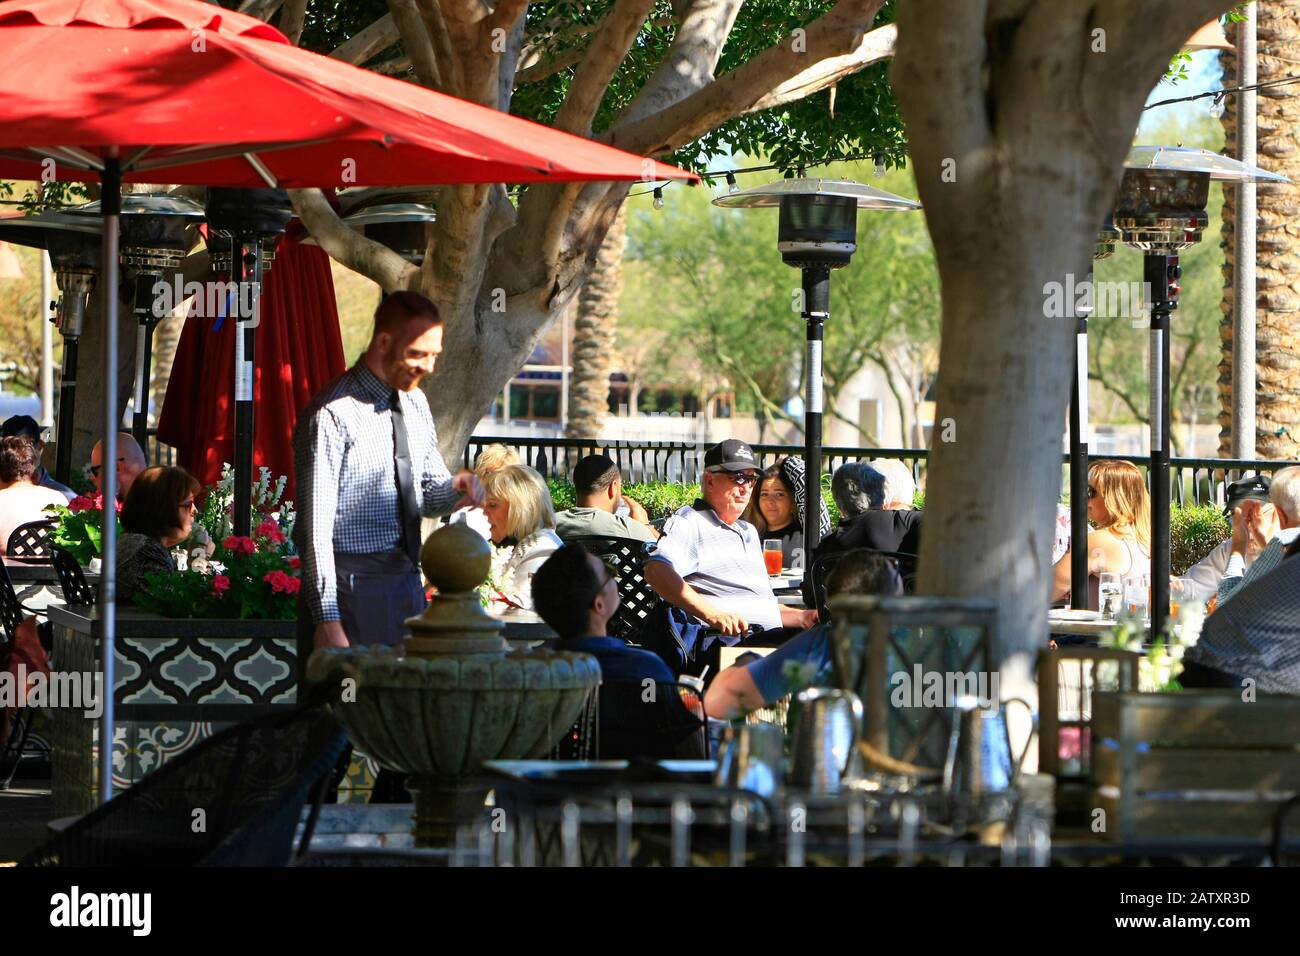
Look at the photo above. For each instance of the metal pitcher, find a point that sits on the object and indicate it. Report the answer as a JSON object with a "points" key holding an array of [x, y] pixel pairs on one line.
{"points": [[979, 750], [825, 736], [751, 758]]}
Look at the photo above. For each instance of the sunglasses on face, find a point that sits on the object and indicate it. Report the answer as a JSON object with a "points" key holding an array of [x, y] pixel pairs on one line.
{"points": [[96, 469], [1092, 492], [189, 505], [741, 478]]}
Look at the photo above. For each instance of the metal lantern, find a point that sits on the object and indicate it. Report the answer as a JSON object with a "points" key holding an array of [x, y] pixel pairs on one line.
{"points": [[817, 232], [245, 224], [1161, 210]]}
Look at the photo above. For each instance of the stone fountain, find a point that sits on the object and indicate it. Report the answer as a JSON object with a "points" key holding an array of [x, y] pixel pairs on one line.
{"points": [[455, 695]]}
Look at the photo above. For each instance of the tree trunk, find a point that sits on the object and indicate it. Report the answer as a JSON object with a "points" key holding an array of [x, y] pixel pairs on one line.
{"points": [[88, 412], [1018, 117], [1277, 264], [593, 335]]}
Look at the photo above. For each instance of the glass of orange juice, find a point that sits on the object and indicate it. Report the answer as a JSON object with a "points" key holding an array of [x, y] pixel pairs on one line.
{"points": [[772, 555]]}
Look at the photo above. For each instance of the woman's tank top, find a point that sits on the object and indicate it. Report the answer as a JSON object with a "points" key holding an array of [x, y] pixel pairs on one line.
{"points": [[1139, 562]]}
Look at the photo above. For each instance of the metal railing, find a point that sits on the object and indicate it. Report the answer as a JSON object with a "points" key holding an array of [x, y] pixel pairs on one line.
{"points": [[1195, 480]]}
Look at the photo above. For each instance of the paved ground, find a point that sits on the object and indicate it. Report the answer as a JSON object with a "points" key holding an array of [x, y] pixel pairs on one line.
{"points": [[24, 811]]}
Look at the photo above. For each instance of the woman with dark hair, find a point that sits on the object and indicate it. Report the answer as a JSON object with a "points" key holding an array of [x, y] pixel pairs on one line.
{"points": [[158, 514], [22, 500], [777, 506]]}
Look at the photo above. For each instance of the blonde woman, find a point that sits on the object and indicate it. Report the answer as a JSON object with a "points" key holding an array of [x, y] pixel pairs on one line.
{"points": [[522, 522], [491, 459], [1119, 509]]}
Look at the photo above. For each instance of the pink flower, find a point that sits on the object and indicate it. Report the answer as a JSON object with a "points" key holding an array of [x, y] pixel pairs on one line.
{"points": [[295, 562], [238, 544], [291, 585], [271, 531], [83, 503], [220, 584]]}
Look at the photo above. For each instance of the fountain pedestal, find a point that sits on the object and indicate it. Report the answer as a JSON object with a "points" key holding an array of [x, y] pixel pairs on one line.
{"points": [[454, 696]]}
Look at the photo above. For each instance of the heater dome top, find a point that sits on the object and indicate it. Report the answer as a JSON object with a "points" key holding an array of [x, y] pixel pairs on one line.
{"points": [[1188, 160], [864, 196]]}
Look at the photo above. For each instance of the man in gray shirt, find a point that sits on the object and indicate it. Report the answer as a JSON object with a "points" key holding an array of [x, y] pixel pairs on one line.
{"points": [[598, 488]]}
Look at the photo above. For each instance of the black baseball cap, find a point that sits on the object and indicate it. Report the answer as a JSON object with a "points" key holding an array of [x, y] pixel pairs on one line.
{"points": [[21, 425], [731, 455], [1254, 488]]}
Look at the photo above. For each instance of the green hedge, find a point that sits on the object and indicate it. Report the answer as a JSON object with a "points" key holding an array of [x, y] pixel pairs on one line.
{"points": [[1193, 531]]}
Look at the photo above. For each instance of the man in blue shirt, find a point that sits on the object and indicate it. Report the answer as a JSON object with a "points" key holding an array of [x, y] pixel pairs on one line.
{"points": [[804, 660], [576, 595]]}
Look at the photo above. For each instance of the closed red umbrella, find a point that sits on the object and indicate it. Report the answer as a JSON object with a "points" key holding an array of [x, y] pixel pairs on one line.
{"points": [[299, 352], [182, 91]]}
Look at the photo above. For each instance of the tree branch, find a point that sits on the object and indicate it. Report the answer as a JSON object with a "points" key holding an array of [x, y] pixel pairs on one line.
{"points": [[506, 13], [261, 9], [832, 47], [374, 39], [349, 247], [292, 17], [418, 42], [436, 27], [540, 69], [619, 28]]}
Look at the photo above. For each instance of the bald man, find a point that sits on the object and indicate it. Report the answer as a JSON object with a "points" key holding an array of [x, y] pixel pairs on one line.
{"points": [[130, 462]]}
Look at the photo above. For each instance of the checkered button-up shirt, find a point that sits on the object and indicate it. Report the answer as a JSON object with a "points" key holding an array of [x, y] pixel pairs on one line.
{"points": [[347, 478], [1257, 633]]}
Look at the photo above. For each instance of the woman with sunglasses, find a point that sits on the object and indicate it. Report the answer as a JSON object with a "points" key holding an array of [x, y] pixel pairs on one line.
{"points": [[158, 514], [1119, 509]]}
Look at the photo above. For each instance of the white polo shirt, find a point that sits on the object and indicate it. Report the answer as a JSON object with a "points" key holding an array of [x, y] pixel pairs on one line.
{"points": [[723, 562]]}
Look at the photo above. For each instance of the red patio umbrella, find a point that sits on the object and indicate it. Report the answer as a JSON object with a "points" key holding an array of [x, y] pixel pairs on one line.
{"points": [[182, 91]]}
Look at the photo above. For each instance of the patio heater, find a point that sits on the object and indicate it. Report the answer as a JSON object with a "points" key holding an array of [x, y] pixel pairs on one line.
{"points": [[1107, 239], [74, 249], [1161, 210], [403, 227], [817, 232], [157, 233], [245, 224]]}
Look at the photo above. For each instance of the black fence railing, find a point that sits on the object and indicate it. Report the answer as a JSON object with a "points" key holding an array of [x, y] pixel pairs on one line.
{"points": [[1195, 480]]}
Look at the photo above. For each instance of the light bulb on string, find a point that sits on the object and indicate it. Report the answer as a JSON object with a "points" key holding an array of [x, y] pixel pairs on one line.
{"points": [[880, 165], [1216, 107], [732, 187], [659, 197]]}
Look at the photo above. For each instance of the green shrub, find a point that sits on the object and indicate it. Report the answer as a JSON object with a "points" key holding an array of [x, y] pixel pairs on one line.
{"points": [[562, 495], [1193, 533], [663, 498]]}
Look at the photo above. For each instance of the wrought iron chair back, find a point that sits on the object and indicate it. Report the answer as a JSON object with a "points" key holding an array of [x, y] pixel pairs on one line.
{"points": [[31, 540], [11, 609], [824, 564], [636, 719], [76, 590], [625, 557]]}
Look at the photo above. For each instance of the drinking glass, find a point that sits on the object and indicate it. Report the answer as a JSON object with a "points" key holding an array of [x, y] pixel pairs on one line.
{"points": [[1137, 596], [772, 555], [1109, 595]]}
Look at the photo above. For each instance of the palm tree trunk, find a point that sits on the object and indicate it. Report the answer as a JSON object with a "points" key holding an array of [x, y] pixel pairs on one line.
{"points": [[1277, 306], [593, 336]]}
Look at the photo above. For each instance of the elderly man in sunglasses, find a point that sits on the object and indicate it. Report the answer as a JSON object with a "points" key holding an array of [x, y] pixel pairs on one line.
{"points": [[709, 562], [130, 462]]}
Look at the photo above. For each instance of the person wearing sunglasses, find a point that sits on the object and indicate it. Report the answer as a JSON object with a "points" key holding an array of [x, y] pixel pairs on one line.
{"points": [[158, 514], [130, 463], [1119, 510], [709, 561]]}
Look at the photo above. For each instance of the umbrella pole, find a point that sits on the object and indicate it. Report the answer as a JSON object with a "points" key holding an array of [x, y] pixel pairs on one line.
{"points": [[1161, 273], [111, 208], [817, 307], [245, 349], [1079, 468]]}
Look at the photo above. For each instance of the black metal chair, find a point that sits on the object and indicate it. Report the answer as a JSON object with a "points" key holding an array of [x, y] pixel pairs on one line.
{"points": [[31, 540], [824, 564], [15, 731], [626, 559], [76, 590], [233, 800], [633, 722]]}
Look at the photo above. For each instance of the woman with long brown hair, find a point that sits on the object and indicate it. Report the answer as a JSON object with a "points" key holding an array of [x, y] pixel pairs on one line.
{"points": [[1119, 509]]}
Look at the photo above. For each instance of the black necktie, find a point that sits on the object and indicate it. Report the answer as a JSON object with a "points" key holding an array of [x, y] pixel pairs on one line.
{"points": [[408, 506]]}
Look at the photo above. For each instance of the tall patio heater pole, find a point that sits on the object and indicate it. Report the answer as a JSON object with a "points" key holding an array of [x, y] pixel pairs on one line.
{"points": [[817, 232], [1161, 210]]}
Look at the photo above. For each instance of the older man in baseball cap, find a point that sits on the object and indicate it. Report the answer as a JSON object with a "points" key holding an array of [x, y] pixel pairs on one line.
{"points": [[709, 561], [26, 426]]}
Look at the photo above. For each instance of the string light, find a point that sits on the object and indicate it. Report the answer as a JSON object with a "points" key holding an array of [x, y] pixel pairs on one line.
{"points": [[1216, 108], [659, 197], [880, 165], [732, 186]]}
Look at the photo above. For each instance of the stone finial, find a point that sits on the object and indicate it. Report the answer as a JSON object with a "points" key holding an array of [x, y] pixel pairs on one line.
{"points": [[456, 560]]}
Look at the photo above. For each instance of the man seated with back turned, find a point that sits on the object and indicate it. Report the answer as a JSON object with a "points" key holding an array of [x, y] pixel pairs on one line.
{"points": [[575, 594], [25, 425], [804, 660], [709, 562], [598, 491]]}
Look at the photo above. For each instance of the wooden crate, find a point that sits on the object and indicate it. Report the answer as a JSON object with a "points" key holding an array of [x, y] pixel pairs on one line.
{"points": [[1193, 765]]}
